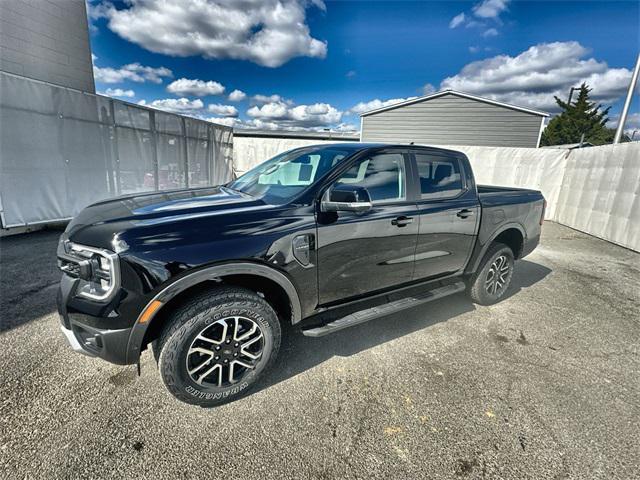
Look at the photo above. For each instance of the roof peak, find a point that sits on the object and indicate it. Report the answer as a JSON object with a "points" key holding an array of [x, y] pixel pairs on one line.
{"points": [[459, 94]]}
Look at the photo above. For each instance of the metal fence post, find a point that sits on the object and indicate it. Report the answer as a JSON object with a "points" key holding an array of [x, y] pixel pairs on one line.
{"points": [[210, 151], [154, 150], [627, 102], [185, 150], [114, 147]]}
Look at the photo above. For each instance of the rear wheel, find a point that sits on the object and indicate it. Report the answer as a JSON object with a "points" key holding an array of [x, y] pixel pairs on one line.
{"points": [[216, 346], [491, 282]]}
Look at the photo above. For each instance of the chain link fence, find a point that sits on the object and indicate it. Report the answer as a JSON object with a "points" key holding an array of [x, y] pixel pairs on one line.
{"points": [[62, 149]]}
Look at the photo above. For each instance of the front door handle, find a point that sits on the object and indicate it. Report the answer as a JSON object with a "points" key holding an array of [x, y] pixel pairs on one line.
{"points": [[402, 221], [464, 213]]}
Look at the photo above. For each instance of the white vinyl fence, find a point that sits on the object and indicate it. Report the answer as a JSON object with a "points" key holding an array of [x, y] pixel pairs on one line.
{"points": [[595, 190]]}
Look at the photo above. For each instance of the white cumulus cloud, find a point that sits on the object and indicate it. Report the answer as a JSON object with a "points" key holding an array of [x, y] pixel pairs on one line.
{"points": [[266, 32], [227, 121], [533, 77], [490, 32], [262, 99], [133, 72], [377, 103], [118, 92], [223, 110], [457, 20], [481, 14], [237, 96], [631, 126], [176, 105], [305, 116], [490, 8], [199, 88], [428, 89]]}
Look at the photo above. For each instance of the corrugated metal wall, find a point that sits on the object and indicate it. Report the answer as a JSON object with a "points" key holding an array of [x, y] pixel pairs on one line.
{"points": [[453, 120], [48, 41]]}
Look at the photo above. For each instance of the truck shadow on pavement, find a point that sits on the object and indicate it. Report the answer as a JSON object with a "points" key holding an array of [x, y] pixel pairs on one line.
{"points": [[29, 277], [299, 353]]}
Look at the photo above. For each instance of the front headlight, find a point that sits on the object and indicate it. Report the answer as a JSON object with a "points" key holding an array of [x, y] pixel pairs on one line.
{"points": [[97, 270]]}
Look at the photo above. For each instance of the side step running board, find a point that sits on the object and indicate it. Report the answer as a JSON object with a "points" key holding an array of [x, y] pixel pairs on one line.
{"points": [[382, 310]]}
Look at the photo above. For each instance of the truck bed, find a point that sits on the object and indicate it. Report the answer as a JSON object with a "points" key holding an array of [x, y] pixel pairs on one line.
{"points": [[491, 195]]}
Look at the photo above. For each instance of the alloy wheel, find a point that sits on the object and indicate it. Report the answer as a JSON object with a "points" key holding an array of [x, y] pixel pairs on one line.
{"points": [[225, 351], [498, 275]]}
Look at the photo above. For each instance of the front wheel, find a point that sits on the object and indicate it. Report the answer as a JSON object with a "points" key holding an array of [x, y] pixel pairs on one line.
{"points": [[216, 346], [490, 283]]}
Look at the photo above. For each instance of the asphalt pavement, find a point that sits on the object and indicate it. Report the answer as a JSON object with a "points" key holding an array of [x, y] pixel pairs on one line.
{"points": [[545, 384]]}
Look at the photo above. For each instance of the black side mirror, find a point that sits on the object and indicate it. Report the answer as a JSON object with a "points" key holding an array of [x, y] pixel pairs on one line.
{"points": [[346, 198]]}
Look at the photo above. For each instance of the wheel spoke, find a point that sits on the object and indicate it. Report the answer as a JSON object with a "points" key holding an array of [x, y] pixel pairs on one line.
{"points": [[241, 363], [246, 334], [204, 351], [236, 327], [231, 372], [204, 338], [490, 276], [206, 362], [199, 380], [252, 341], [249, 354]]}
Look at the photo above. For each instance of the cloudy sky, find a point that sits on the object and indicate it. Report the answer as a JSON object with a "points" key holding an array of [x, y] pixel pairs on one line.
{"points": [[309, 64]]}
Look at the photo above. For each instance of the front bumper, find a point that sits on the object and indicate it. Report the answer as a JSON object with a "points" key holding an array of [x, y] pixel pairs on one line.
{"points": [[110, 345], [87, 330], [73, 341]]}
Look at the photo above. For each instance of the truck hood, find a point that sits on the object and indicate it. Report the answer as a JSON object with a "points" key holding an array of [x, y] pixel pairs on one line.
{"points": [[100, 224]]}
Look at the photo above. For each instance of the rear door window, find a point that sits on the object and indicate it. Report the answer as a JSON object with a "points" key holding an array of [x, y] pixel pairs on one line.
{"points": [[440, 176]]}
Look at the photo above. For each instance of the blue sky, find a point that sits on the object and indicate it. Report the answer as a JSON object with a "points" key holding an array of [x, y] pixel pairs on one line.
{"points": [[315, 65]]}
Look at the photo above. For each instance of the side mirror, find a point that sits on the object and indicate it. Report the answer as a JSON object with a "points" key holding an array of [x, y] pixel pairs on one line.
{"points": [[346, 198]]}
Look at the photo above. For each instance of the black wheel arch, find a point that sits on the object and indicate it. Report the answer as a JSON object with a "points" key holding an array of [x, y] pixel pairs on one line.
{"points": [[236, 273], [511, 234]]}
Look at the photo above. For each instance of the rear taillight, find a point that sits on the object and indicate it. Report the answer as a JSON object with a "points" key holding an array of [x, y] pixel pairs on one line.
{"points": [[544, 209]]}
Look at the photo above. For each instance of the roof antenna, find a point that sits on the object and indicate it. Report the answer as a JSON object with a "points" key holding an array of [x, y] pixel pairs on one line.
{"points": [[410, 143]]}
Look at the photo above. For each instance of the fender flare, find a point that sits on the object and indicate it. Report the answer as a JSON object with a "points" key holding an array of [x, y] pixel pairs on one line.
{"points": [[477, 259], [139, 330]]}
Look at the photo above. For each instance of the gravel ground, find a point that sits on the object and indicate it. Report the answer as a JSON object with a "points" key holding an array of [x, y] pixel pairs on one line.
{"points": [[543, 385]]}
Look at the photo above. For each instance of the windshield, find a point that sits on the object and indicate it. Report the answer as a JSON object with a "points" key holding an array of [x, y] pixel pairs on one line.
{"points": [[284, 176]]}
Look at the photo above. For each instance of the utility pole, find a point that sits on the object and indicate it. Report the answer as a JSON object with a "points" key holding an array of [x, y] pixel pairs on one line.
{"points": [[627, 102]]}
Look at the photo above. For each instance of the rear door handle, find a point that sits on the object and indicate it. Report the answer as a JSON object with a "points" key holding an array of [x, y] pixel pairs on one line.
{"points": [[464, 213], [402, 221]]}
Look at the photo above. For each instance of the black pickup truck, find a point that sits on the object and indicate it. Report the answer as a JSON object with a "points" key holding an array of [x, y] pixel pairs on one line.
{"points": [[322, 237]]}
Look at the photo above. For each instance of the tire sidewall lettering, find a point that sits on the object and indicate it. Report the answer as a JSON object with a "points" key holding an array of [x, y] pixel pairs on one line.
{"points": [[236, 389]]}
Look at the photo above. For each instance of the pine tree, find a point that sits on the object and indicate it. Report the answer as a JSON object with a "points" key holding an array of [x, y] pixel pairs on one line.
{"points": [[577, 118]]}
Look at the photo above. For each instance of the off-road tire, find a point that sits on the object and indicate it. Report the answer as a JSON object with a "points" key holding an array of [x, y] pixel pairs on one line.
{"points": [[478, 289], [186, 323]]}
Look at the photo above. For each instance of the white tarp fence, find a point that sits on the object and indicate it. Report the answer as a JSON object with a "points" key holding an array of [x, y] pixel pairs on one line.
{"points": [[600, 193], [62, 149], [595, 190], [251, 151], [540, 169]]}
